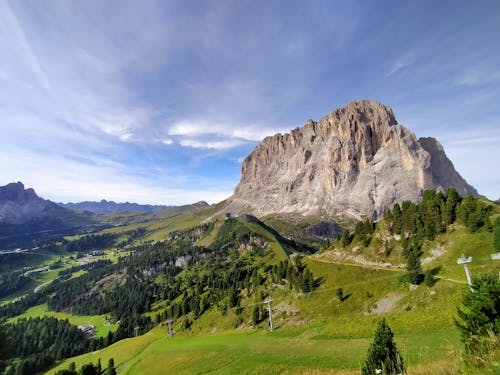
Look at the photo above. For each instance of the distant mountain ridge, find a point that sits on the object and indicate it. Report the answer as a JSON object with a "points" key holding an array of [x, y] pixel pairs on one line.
{"points": [[19, 205], [109, 207], [355, 162], [26, 218]]}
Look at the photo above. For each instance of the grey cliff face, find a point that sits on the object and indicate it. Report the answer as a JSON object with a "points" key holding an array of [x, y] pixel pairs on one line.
{"points": [[355, 162], [19, 205]]}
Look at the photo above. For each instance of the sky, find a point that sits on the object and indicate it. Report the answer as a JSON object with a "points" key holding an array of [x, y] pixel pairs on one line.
{"points": [[160, 101]]}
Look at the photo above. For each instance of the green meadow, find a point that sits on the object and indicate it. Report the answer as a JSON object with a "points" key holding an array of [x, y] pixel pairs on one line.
{"points": [[96, 320]]}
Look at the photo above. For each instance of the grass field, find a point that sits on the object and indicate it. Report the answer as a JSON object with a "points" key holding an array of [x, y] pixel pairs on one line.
{"points": [[291, 351], [316, 333], [325, 336], [96, 320]]}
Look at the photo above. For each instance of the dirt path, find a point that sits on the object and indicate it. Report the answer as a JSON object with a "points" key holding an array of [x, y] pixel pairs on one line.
{"points": [[357, 265], [382, 268]]}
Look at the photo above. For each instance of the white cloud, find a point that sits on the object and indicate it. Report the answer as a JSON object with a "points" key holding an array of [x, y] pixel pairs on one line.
{"points": [[400, 64], [479, 75], [167, 141], [63, 179], [204, 127], [216, 145], [217, 135]]}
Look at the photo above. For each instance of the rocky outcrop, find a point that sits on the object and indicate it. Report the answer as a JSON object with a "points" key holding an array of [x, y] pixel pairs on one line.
{"points": [[355, 162], [25, 218], [325, 229], [19, 205]]}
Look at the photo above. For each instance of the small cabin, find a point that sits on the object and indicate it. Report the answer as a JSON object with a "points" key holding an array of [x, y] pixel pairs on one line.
{"points": [[88, 329]]}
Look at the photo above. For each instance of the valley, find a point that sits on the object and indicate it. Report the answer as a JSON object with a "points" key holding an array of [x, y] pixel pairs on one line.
{"points": [[314, 256], [211, 276]]}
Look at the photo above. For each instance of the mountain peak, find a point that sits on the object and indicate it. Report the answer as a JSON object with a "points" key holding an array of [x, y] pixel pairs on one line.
{"points": [[357, 161], [16, 191], [20, 205]]}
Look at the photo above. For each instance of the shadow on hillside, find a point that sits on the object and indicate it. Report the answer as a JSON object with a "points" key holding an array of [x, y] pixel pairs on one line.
{"points": [[345, 297], [317, 282]]}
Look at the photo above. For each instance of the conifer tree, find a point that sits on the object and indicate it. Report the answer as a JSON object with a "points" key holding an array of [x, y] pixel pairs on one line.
{"points": [[383, 354], [414, 268], [479, 313], [396, 217], [110, 370], [452, 199], [255, 315], [496, 234]]}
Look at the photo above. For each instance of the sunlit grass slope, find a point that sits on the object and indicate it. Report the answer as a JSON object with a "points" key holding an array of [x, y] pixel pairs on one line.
{"points": [[96, 320]]}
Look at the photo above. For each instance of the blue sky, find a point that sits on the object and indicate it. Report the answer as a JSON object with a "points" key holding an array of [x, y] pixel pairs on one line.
{"points": [[159, 102]]}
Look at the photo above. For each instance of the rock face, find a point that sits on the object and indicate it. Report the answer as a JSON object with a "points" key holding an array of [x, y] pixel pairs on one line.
{"points": [[19, 205], [325, 229], [355, 162], [26, 219]]}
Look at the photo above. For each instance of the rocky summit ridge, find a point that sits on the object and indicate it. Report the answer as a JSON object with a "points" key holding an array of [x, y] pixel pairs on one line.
{"points": [[355, 162], [19, 205]]}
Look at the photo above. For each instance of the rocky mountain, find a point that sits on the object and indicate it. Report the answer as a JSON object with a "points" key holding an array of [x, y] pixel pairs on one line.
{"points": [[109, 207], [19, 205], [355, 162], [25, 217]]}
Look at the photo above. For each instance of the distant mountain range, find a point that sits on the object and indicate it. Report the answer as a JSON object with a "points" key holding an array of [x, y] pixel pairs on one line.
{"points": [[19, 205], [109, 207], [25, 217]]}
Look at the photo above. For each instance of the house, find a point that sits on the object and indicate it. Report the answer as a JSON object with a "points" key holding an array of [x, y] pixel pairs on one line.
{"points": [[88, 329]]}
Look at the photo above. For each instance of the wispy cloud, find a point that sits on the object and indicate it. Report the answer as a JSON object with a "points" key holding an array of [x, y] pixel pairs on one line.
{"points": [[400, 64], [130, 94], [66, 179], [217, 135]]}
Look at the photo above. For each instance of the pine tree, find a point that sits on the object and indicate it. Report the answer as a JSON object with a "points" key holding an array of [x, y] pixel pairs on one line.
{"points": [[396, 217], [306, 281], [109, 338], [3, 344], [340, 294], [414, 267], [110, 370], [479, 313], [383, 354], [255, 315], [496, 234], [88, 369], [452, 199], [346, 238]]}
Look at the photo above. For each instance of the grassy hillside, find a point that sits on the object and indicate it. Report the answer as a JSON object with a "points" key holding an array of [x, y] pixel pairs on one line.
{"points": [[98, 321], [316, 332], [219, 274]]}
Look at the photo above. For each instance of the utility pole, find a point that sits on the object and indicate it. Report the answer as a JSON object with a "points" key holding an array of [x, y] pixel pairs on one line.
{"points": [[268, 302], [463, 260], [136, 331], [170, 331]]}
